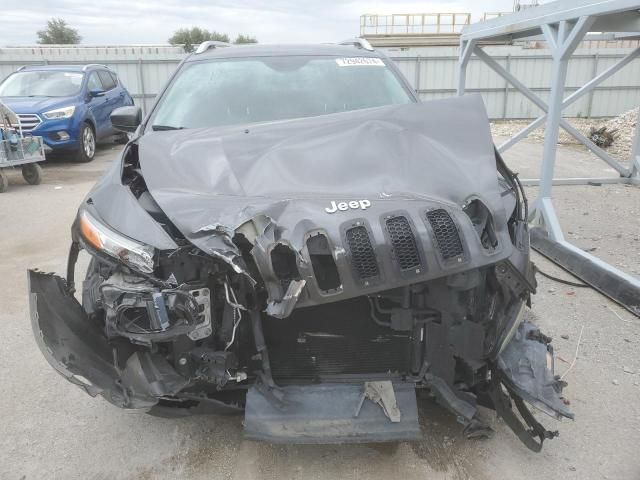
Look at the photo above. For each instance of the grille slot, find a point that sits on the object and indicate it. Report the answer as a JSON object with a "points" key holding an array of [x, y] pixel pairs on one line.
{"points": [[446, 233], [362, 254], [324, 266], [28, 121], [404, 242]]}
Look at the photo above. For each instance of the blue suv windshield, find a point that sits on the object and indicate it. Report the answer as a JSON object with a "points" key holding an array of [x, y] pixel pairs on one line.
{"points": [[42, 83], [261, 89]]}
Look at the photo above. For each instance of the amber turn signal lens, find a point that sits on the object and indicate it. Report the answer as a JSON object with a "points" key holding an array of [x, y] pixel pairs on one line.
{"points": [[90, 233]]}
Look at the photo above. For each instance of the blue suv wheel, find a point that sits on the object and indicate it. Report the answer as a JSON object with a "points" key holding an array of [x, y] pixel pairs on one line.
{"points": [[87, 140]]}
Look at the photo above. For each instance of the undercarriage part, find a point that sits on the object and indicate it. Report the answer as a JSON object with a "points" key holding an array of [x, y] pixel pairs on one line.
{"points": [[147, 377], [528, 370], [501, 403], [196, 405], [446, 397], [216, 367], [625, 293], [477, 429], [261, 348], [325, 414], [383, 394]]}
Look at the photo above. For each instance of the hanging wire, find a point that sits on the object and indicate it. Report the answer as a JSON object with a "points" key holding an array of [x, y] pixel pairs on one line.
{"points": [[232, 300]]}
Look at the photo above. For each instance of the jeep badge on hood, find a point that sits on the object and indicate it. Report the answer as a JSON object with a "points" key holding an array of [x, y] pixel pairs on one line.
{"points": [[343, 206]]}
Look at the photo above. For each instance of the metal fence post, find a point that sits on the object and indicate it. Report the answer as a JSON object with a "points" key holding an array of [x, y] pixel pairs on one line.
{"points": [[417, 77], [506, 88], [141, 83], [594, 72]]}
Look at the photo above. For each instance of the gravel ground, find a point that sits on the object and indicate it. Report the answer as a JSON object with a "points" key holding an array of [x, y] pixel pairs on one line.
{"points": [[624, 126], [52, 430]]}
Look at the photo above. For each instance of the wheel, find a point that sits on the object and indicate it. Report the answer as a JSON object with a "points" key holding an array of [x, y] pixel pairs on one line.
{"points": [[32, 173], [87, 144], [4, 181]]}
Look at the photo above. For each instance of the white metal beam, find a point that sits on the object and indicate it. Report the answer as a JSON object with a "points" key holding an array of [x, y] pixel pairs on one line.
{"points": [[466, 49], [564, 24], [575, 96], [528, 22], [500, 70], [635, 151]]}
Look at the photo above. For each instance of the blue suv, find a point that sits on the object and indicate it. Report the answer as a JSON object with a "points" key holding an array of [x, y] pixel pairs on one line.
{"points": [[69, 106]]}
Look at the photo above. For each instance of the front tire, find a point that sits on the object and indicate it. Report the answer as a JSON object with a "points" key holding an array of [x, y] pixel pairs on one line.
{"points": [[87, 150]]}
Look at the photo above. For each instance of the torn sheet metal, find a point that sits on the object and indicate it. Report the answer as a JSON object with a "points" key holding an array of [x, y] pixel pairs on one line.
{"points": [[284, 307]]}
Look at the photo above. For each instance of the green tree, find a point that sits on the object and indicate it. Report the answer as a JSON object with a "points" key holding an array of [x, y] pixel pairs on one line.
{"points": [[188, 37], [245, 39], [58, 33]]}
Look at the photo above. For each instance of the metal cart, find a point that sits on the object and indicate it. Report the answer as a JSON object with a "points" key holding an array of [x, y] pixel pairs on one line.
{"points": [[17, 149]]}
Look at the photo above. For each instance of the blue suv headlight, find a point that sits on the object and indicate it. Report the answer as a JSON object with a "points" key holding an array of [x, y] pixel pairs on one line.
{"points": [[65, 112]]}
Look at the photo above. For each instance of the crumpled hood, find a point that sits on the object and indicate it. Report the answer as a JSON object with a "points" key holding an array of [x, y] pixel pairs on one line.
{"points": [[283, 175], [439, 150]]}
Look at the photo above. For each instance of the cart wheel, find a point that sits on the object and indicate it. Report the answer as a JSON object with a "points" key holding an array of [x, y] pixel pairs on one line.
{"points": [[32, 173], [4, 181]]}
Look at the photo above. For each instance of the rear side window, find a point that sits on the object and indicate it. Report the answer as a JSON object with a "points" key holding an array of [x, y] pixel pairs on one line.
{"points": [[107, 80]]}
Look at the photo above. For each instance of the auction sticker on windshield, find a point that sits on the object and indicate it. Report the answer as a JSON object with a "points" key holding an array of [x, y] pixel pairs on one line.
{"points": [[356, 61]]}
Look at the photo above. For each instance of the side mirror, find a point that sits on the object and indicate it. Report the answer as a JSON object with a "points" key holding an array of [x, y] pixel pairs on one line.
{"points": [[96, 93], [126, 119]]}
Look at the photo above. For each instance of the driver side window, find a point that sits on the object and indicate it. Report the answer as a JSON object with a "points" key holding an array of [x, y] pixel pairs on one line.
{"points": [[94, 82]]}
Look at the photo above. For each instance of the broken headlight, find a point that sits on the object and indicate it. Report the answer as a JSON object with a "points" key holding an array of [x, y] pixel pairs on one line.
{"points": [[101, 237]]}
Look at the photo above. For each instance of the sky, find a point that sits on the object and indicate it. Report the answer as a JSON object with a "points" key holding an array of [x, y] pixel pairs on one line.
{"points": [[111, 22]]}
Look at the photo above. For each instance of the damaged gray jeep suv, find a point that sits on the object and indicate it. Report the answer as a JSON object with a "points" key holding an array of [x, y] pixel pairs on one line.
{"points": [[293, 234]]}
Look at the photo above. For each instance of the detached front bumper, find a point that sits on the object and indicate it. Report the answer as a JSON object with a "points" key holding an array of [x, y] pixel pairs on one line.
{"points": [[76, 347], [131, 378]]}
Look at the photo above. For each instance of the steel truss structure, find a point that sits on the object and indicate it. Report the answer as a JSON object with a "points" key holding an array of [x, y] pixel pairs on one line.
{"points": [[564, 24]]}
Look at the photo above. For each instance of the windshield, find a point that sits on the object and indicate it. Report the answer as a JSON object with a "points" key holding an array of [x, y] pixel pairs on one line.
{"points": [[259, 89], [42, 83]]}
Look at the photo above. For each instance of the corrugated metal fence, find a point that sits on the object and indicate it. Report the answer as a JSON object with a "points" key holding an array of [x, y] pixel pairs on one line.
{"points": [[434, 70], [143, 69], [431, 70]]}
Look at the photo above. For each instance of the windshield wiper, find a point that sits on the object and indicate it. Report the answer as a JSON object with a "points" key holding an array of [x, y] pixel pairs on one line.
{"points": [[157, 128]]}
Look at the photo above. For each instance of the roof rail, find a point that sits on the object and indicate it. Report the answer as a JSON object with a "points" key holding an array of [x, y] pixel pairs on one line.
{"points": [[86, 67], [21, 68], [204, 46], [358, 42]]}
